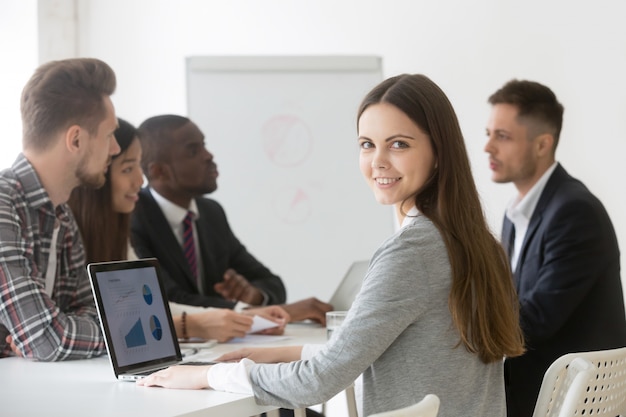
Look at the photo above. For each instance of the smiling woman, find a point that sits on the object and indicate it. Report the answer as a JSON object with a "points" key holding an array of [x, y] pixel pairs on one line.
{"points": [[101, 232], [437, 294], [126, 177], [396, 156]]}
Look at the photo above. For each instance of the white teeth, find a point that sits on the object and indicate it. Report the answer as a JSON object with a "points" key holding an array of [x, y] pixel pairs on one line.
{"points": [[386, 180]]}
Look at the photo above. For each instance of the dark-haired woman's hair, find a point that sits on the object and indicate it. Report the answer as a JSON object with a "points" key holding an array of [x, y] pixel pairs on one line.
{"points": [[105, 232], [482, 298]]}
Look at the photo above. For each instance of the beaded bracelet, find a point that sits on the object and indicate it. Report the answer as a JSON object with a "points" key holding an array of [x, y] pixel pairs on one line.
{"points": [[183, 323]]}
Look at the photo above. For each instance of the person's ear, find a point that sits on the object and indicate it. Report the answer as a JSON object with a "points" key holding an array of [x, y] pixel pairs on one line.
{"points": [[73, 137], [159, 171], [545, 144]]}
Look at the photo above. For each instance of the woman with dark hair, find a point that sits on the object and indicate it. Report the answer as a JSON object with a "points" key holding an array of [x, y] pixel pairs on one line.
{"points": [[103, 217], [437, 312]]}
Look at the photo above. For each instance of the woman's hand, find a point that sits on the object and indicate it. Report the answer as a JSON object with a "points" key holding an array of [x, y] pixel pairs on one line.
{"points": [[181, 377], [264, 355]]}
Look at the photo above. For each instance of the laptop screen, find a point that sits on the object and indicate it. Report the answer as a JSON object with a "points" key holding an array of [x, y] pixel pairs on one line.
{"points": [[134, 314]]}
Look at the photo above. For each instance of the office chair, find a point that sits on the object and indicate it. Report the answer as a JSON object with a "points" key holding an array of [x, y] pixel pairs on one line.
{"points": [[350, 399], [584, 383], [427, 407]]}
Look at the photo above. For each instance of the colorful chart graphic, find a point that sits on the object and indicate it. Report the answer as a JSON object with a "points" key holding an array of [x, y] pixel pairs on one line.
{"points": [[155, 328], [135, 336], [287, 140], [147, 294], [292, 205], [124, 297]]}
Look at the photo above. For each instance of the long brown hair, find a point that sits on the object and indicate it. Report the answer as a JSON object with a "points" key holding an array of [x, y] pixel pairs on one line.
{"points": [[482, 298], [105, 232]]}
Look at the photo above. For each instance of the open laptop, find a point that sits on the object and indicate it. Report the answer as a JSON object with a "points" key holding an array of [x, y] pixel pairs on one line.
{"points": [[349, 286], [135, 317]]}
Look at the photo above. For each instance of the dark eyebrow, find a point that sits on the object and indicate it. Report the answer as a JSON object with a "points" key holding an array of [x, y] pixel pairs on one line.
{"points": [[126, 160], [498, 130], [390, 138]]}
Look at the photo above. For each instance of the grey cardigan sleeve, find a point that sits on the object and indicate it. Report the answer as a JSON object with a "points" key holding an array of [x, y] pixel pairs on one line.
{"points": [[396, 291]]}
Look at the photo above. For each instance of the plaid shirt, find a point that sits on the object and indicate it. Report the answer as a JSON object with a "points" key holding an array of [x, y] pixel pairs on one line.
{"points": [[65, 325]]}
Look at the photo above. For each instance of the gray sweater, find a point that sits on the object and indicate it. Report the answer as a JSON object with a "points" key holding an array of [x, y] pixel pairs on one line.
{"points": [[399, 334]]}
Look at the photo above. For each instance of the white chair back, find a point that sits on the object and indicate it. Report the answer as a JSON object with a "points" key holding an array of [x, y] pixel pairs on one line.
{"points": [[428, 407], [584, 384]]}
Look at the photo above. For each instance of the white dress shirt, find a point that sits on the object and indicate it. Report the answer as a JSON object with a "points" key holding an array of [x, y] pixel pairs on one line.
{"points": [[519, 212], [175, 215], [234, 377], [409, 216]]}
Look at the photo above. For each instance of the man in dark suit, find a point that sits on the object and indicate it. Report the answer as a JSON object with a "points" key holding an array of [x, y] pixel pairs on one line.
{"points": [[560, 240], [205, 264]]}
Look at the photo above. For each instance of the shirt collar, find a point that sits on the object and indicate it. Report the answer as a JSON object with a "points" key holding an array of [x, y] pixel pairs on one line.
{"points": [[524, 208], [34, 192], [173, 213], [410, 216]]}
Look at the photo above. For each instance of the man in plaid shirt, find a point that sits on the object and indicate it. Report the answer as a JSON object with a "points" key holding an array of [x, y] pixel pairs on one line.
{"points": [[47, 311]]}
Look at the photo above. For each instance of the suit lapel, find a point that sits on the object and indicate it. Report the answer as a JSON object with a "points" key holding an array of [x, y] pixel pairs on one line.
{"points": [[507, 236], [558, 176], [167, 239], [535, 221], [206, 241], [508, 241]]}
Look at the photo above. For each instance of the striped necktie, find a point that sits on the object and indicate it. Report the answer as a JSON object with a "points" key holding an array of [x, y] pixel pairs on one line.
{"points": [[189, 246]]}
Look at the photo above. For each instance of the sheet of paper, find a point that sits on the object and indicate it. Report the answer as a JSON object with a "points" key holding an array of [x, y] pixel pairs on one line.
{"points": [[257, 338], [261, 323]]}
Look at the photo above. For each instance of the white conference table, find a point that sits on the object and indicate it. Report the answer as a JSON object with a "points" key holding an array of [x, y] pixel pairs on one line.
{"points": [[89, 388]]}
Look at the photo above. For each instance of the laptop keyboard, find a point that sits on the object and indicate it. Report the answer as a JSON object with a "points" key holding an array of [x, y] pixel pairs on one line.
{"points": [[198, 363]]}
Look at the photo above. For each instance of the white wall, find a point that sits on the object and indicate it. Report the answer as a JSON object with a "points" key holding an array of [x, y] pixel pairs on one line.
{"points": [[18, 60], [468, 48]]}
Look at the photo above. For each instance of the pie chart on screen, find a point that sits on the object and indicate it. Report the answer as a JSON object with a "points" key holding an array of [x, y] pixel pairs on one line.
{"points": [[155, 328], [147, 294]]}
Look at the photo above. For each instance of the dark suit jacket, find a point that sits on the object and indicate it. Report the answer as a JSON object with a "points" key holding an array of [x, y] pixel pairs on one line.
{"points": [[569, 286], [152, 236]]}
